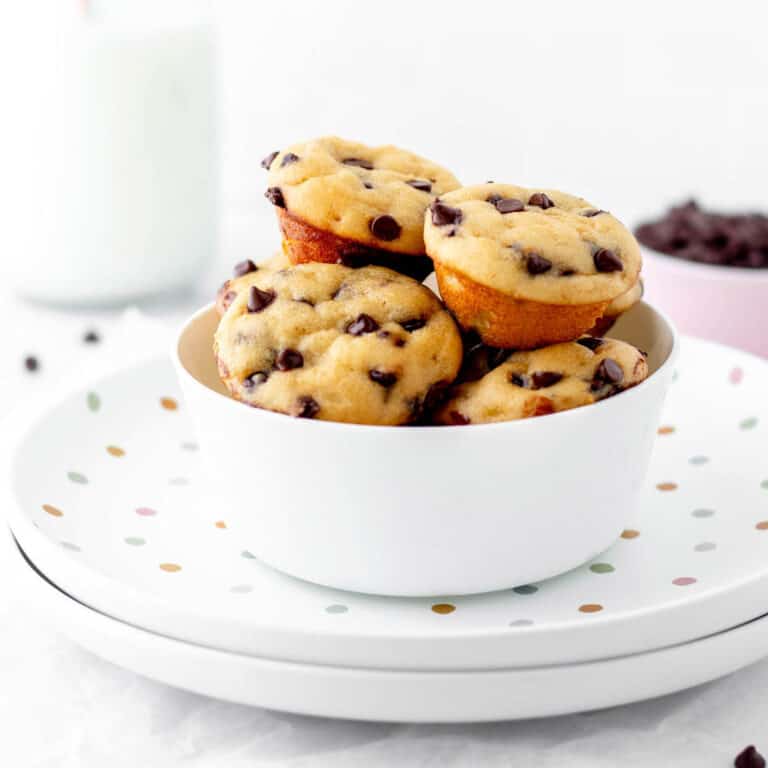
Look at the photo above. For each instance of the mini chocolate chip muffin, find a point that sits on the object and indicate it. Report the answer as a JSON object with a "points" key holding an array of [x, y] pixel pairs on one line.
{"points": [[342, 202], [324, 341], [527, 267], [546, 380], [242, 277], [617, 308]]}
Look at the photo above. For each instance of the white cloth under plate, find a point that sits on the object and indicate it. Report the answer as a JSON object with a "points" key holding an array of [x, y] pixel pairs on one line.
{"points": [[60, 707]]}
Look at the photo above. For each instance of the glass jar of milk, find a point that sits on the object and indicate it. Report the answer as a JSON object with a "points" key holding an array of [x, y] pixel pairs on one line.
{"points": [[109, 152]]}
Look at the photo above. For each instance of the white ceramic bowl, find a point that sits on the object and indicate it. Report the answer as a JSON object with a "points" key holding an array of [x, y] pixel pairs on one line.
{"points": [[725, 304], [428, 510]]}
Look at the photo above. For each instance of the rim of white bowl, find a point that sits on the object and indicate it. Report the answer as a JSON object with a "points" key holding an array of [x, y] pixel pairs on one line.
{"points": [[610, 402], [707, 271]]}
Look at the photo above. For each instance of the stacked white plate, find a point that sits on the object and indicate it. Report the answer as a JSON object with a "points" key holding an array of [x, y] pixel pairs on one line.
{"points": [[128, 552]]}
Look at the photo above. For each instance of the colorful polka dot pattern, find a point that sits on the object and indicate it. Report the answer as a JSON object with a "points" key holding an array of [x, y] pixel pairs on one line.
{"points": [[690, 464]]}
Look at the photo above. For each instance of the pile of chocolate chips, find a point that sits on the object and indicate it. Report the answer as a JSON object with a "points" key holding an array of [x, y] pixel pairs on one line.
{"points": [[688, 232]]}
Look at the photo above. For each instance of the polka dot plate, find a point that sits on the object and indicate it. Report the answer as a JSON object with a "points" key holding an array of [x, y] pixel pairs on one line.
{"points": [[393, 695], [108, 498]]}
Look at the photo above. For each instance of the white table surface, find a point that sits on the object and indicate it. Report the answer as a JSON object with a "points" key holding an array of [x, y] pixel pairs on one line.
{"points": [[61, 707]]}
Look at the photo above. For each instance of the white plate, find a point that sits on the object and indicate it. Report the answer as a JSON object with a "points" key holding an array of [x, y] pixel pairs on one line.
{"points": [[135, 536], [402, 696]]}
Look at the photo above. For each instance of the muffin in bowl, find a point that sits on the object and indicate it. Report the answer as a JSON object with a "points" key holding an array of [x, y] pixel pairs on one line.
{"points": [[526, 267], [343, 202]]}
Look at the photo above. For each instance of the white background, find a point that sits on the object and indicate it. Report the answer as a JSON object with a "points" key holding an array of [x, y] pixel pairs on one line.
{"points": [[631, 105]]}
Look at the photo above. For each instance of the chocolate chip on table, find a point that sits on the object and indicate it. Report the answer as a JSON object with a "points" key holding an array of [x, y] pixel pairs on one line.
{"points": [[363, 324], [593, 212], [359, 162], [91, 337], [420, 184], [385, 227], [275, 196], [269, 159], [443, 215], [509, 205], [413, 324], [609, 372], [607, 261], [541, 200], [306, 407], [289, 158], [590, 342], [289, 359], [537, 265], [255, 379], [519, 380], [458, 419], [259, 300], [385, 378], [31, 363], [749, 758], [544, 379], [243, 268]]}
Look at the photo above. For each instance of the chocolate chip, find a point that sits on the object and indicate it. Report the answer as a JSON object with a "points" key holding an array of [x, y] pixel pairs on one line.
{"points": [[436, 393], [590, 342], [289, 359], [443, 215], [368, 185], [458, 419], [413, 324], [544, 379], [593, 212], [289, 158], [399, 342], [243, 268], [255, 379], [259, 300], [360, 163], [385, 378], [421, 185], [363, 324], [228, 298], [385, 228], [609, 372], [275, 196], [509, 205], [541, 200], [607, 261], [566, 272], [31, 363], [91, 337], [537, 265], [306, 407], [519, 380], [493, 199], [749, 758], [267, 161]]}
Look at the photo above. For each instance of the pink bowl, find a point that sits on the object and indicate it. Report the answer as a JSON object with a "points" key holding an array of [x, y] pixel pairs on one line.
{"points": [[726, 304]]}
